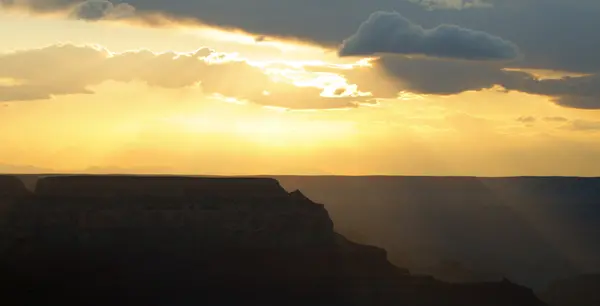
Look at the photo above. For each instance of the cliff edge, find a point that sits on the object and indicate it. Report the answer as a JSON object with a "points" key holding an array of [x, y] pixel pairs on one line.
{"points": [[118, 240], [11, 186]]}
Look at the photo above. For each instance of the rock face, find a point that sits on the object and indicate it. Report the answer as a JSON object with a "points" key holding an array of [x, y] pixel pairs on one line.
{"points": [[188, 187], [122, 240], [11, 186], [11, 189], [530, 229]]}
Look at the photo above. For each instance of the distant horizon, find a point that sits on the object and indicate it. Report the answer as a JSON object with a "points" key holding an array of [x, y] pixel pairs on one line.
{"points": [[286, 175]]}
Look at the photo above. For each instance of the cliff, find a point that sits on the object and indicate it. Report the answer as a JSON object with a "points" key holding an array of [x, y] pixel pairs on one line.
{"points": [[530, 229], [173, 186], [11, 186], [11, 190], [118, 240]]}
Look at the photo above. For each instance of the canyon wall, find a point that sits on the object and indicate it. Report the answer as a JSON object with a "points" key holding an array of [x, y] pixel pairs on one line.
{"points": [[98, 240]]}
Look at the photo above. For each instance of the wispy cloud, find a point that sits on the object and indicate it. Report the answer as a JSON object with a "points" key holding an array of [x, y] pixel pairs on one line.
{"points": [[527, 119], [584, 125]]}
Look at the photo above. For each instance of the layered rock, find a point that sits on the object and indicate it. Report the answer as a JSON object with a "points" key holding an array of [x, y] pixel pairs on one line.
{"points": [[170, 240]]}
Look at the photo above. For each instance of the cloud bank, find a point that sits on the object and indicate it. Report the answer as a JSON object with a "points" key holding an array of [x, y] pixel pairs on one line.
{"points": [[561, 38], [552, 34], [390, 32], [68, 69], [390, 75]]}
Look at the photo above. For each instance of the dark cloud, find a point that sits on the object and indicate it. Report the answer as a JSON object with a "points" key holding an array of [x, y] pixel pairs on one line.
{"points": [[551, 34], [102, 9], [393, 74], [578, 102], [442, 76], [576, 92], [68, 69], [390, 32]]}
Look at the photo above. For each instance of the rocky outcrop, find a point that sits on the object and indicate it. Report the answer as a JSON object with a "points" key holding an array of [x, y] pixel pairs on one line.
{"points": [[11, 186], [173, 186], [191, 241]]}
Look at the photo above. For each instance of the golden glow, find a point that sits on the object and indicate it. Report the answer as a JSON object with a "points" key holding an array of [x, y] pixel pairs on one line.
{"points": [[11, 82], [285, 132], [270, 109], [332, 84], [247, 39], [542, 74]]}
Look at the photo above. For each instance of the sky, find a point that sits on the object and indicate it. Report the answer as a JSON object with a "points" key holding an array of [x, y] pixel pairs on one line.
{"points": [[344, 87]]}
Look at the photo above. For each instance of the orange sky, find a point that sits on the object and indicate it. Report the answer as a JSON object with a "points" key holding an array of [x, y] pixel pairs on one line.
{"points": [[120, 98]]}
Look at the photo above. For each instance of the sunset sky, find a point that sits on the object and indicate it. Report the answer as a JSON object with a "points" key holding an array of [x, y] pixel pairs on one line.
{"points": [[348, 87]]}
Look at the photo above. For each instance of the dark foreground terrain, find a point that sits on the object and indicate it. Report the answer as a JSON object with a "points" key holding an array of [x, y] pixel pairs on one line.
{"points": [[582, 290], [532, 230], [124, 240]]}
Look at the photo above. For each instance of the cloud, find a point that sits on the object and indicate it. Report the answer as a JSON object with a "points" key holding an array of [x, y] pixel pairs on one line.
{"points": [[584, 125], [69, 69], [576, 92], [392, 74], [555, 119], [563, 37], [102, 9], [573, 125], [441, 76], [453, 4], [526, 119], [390, 32]]}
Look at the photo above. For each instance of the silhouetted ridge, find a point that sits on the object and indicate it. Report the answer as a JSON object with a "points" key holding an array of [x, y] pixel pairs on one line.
{"points": [[531, 229], [299, 196], [11, 186], [120, 185], [125, 240]]}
